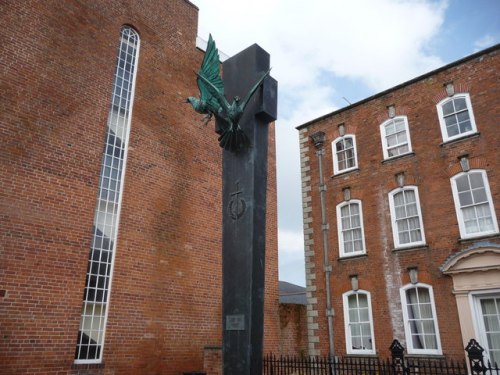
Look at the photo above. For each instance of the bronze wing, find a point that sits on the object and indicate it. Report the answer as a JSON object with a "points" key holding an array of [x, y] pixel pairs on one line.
{"points": [[244, 102], [209, 80]]}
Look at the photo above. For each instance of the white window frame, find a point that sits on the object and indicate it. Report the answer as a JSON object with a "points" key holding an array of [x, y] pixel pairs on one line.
{"points": [[395, 233], [336, 169], [383, 135], [340, 229], [347, 330], [442, 123], [406, 321], [478, 321], [458, 207], [95, 307]]}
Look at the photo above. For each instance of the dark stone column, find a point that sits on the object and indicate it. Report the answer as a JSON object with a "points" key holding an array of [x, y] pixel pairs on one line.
{"points": [[244, 185]]}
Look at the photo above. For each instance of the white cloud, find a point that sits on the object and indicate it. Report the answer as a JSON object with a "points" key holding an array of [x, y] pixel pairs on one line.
{"points": [[292, 270], [291, 241], [382, 42], [484, 42], [377, 44], [291, 256]]}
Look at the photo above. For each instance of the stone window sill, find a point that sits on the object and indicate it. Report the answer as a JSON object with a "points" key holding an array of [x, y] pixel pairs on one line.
{"points": [[359, 256], [479, 238], [345, 173], [457, 140], [87, 366], [410, 248], [399, 157]]}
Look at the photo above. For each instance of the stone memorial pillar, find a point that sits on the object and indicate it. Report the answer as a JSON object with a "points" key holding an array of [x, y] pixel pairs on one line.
{"points": [[244, 188]]}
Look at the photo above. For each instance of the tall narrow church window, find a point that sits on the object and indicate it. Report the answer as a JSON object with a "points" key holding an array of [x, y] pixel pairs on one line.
{"points": [[89, 347]]}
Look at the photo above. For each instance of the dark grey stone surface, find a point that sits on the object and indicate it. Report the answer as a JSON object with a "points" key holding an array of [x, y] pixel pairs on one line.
{"points": [[244, 188]]}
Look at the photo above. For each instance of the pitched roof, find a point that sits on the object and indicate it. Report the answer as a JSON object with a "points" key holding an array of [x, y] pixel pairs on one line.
{"points": [[292, 294]]}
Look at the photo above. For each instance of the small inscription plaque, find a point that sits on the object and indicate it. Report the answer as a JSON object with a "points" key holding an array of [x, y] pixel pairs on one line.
{"points": [[235, 322]]}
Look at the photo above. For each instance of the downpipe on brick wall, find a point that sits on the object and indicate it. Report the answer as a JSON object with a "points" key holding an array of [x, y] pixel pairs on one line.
{"points": [[319, 140]]}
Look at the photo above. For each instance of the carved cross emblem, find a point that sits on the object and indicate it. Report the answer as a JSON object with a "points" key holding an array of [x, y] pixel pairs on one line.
{"points": [[237, 205]]}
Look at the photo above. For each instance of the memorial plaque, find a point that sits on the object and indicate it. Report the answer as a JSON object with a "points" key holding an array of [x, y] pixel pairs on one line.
{"points": [[235, 322]]}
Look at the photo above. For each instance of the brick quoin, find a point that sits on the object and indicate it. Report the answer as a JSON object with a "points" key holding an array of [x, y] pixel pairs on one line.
{"points": [[383, 271], [57, 64]]}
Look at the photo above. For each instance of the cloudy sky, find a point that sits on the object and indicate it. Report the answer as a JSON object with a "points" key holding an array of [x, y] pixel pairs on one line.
{"points": [[327, 52]]}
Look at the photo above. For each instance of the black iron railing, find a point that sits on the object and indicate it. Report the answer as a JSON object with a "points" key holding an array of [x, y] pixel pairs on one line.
{"points": [[397, 364]]}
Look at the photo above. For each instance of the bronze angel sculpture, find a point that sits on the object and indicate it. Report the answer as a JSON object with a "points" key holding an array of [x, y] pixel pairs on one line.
{"points": [[212, 101]]}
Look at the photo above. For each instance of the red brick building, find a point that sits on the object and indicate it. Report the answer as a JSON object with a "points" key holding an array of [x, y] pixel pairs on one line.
{"points": [[110, 193], [401, 200], [293, 315]]}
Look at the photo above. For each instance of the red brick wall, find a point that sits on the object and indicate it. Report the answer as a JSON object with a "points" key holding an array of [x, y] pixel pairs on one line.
{"points": [[57, 64], [293, 337], [383, 271], [271, 302], [212, 361]]}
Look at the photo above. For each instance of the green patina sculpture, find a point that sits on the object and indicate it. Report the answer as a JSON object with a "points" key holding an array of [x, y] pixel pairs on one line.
{"points": [[212, 101]]}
